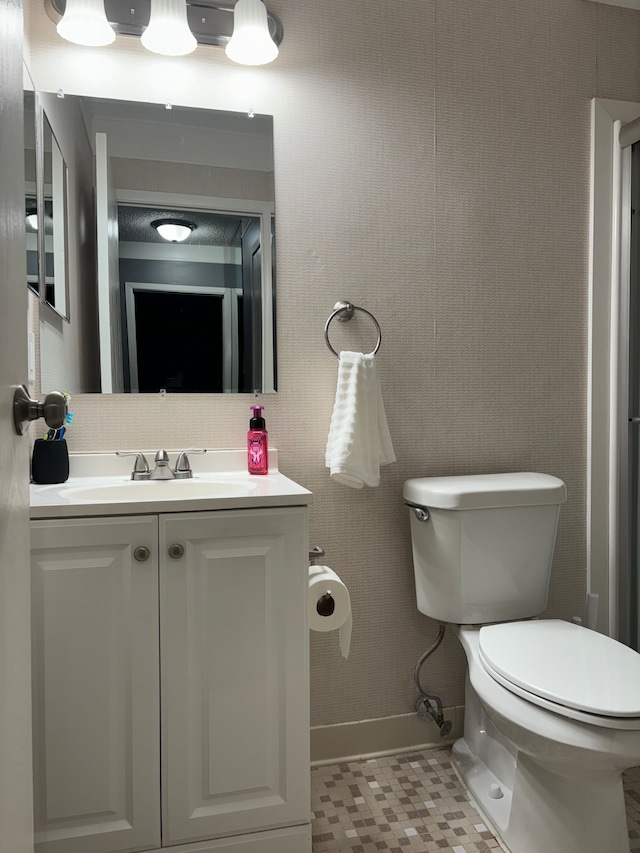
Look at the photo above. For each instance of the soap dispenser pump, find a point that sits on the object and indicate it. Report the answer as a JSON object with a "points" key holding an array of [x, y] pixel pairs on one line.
{"points": [[257, 447]]}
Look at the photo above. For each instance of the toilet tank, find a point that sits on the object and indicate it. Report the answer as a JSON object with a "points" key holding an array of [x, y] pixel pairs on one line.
{"points": [[485, 553]]}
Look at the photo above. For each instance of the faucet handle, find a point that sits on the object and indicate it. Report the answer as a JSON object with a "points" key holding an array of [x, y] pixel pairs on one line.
{"points": [[183, 470], [141, 467]]}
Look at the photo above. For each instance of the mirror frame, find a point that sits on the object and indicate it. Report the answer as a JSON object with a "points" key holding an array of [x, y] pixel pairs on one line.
{"points": [[62, 310], [33, 286], [60, 215]]}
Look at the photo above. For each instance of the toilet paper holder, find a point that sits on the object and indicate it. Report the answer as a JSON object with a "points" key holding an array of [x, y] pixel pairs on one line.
{"points": [[325, 605], [314, 554]]}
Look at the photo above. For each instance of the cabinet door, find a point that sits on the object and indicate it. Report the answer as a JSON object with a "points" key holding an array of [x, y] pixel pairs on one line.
{"points": [[95, 683], [235, 731]]}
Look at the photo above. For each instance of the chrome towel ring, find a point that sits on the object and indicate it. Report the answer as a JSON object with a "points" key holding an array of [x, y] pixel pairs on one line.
{"points": [[344, 312]]}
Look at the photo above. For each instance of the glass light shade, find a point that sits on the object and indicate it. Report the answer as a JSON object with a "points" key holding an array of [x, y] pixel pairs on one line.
{"points": [[251, 42], [168, 32], [173, 232], [85, 22], [32, 219]]}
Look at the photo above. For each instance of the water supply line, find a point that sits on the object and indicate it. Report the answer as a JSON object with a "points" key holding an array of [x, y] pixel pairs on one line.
{"points": [[429, 706]]}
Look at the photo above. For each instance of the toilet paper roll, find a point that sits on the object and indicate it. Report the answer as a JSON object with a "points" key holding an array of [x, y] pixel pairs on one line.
{"points": [[330, 605]]}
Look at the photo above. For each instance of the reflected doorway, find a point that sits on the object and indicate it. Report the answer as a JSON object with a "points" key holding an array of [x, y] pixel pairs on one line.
{"points": [[191, 310]]}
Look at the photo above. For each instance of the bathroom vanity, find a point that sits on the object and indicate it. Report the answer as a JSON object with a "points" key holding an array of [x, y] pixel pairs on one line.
{"points": [[170, 661]]}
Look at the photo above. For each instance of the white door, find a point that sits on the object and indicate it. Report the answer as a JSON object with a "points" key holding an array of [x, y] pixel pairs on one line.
{"points": [[16, 831], [95, 684], [235, 733]]}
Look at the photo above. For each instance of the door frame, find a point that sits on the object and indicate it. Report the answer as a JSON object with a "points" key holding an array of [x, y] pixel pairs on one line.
{"points": [[608, 361]]}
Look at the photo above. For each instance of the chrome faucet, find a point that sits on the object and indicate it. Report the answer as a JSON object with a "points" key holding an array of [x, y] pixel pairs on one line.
{"points": [[161, 471]]}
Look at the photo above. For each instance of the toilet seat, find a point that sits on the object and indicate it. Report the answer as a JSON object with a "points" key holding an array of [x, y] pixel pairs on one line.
{"points": [[565, 668]]}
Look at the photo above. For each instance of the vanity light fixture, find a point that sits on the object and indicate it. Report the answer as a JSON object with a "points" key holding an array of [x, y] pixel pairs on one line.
{"points": [[173, 230], [168, 32], [249, 32], [251, 42], [85, 22]]}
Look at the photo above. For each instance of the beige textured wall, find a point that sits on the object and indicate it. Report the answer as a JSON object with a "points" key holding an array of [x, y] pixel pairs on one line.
{"points": [[432, 165]]}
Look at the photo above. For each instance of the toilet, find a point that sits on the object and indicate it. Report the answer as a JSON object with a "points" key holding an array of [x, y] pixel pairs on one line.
{"points": [[552, 709]]}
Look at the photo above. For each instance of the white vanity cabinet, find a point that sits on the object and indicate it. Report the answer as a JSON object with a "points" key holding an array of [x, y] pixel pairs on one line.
{"points": [[170, 682]]}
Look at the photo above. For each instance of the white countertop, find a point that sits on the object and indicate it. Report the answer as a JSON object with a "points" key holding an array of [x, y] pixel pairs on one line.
{"points": [[232, 487]]}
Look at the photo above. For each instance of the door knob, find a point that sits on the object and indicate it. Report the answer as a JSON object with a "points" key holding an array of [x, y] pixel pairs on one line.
{"points": [[54, 409], [176, 551], [141, 554]]}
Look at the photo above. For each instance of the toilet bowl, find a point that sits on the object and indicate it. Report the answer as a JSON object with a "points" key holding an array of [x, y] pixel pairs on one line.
{"points": [[552, 710], [548, 780]]}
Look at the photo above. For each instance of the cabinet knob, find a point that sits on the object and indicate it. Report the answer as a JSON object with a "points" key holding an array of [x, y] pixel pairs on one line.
{"points": [[141, 553], [176, 551]]}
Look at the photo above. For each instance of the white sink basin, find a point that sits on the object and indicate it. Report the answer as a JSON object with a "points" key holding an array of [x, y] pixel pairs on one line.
{"points": [[155, 490]]}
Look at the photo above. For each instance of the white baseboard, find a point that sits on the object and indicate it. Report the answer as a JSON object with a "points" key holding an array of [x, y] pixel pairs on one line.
{"points": [[291, 839], [384, 736]]}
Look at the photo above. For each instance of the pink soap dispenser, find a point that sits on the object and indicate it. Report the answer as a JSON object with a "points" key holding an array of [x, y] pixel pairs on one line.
{"points": [[257, 448]]}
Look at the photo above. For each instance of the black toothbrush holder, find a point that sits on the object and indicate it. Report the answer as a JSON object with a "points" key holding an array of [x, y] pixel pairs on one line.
{"points": [[50, 462]]}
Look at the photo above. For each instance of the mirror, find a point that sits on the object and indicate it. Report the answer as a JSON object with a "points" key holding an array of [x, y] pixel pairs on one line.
{"points": [[158, 315]]}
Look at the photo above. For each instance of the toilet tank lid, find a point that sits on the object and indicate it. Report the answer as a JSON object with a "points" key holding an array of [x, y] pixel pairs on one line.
{"points": [[482, 491]]}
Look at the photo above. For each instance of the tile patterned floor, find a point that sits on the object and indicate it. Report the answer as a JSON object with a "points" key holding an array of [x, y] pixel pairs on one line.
{"points": [[410, 802]]}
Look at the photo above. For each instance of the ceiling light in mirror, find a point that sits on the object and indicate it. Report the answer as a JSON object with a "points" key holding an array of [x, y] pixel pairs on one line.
{"points": [[85, 22], [168, 32], [251, 43], [173, 230]]}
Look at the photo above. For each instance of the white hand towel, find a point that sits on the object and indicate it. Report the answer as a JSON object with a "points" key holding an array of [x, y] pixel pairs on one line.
{"points": [[359, 441]]}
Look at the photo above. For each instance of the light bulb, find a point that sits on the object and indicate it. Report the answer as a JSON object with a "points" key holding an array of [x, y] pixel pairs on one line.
{"points": [[85, 22], [251, 42], [168, 32]]}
